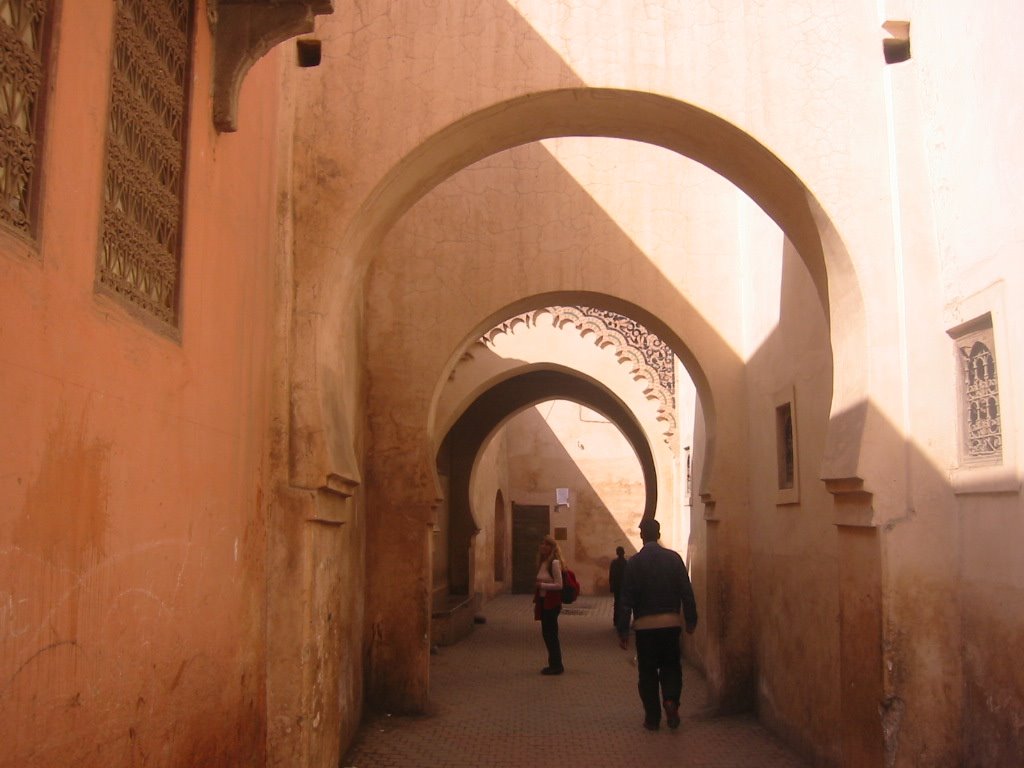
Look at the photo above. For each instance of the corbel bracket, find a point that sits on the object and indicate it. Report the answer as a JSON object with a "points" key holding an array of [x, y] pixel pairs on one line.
{"points": [[854, 505], [243, 31]]}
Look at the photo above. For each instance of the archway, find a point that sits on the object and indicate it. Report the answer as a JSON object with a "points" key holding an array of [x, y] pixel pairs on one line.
{"points": [[487, 412], [416, 464], [484, 121], [669, 123]]}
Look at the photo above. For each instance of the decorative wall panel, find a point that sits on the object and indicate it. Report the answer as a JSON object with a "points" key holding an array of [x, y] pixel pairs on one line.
{"points": [[650, 359], [140, 256], [22, 71]]}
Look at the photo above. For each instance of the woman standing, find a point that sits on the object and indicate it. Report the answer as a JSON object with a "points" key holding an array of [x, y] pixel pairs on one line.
{"points": [[547, 601]]}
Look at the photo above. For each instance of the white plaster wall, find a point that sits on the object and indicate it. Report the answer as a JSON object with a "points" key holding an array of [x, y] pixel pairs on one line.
{"points": [[794, 557], [958, 165]]}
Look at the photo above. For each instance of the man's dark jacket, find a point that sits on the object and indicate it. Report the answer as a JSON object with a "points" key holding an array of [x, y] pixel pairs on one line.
{"points": [[656, 581], [615, 573]]}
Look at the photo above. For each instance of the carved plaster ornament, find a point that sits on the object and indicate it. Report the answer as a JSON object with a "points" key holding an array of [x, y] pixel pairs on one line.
{"points": [[649, 358], [243, 31]]}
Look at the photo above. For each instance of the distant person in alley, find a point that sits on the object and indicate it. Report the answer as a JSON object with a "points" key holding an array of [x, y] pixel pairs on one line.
{"points": [[657, 594], [615, 573]]}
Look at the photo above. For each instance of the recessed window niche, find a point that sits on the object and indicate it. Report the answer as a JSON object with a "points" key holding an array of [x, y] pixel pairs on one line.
{"points": [[786, 454], [980, 427], [981, 375]]}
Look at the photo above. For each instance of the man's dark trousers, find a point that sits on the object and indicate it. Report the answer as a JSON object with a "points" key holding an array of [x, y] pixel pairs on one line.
{"points": [[660, 669]]}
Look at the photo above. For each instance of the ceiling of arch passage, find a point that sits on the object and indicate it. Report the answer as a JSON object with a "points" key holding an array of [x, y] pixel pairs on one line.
{"points": [[627, 218]]}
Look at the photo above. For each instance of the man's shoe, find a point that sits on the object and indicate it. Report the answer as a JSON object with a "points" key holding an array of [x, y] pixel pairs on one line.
{"points": [[552, 670], [651, 726], [672, 714]]}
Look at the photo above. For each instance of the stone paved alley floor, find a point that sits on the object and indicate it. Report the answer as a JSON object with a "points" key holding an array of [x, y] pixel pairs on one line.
{"points": [[491, 707]]}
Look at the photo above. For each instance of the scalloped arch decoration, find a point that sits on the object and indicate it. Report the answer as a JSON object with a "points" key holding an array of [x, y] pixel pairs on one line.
{"points": [[649, 359], [244, 30]]}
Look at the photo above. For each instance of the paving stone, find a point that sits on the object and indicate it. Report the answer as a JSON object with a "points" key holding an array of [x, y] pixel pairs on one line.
{"points": [[492, 707]]}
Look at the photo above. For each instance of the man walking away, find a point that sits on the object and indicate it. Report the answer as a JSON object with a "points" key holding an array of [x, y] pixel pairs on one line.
{"points": [[655, 591], [615, 573]]}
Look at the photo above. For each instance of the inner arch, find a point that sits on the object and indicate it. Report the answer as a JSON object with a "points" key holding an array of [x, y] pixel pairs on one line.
{"points": [[493, 408], [439, 424]]}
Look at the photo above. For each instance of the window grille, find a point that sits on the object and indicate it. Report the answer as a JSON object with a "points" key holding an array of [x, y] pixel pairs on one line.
{"points": [[981, 425], [785, 457], [787, 447], [22, 26], [140, 253]]}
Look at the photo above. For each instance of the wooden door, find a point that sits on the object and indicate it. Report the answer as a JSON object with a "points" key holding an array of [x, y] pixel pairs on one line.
{"points": [[530, 524]]}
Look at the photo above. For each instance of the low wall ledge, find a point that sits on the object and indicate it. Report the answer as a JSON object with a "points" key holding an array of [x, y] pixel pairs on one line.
{"points": [[853, 505], [343, 485], [985, 480]]}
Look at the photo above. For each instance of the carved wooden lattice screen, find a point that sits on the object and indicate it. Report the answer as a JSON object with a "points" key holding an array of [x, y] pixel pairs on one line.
{"points": [[140, 257], [21, 79]]}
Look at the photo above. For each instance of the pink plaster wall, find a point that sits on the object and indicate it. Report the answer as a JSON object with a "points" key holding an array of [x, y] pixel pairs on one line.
{"points": [[794, 559], [134, 466], [491, 479]]}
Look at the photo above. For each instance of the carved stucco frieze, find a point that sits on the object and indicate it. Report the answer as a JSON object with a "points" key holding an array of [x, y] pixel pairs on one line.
{"points": [[243, 31], [648, 357]]}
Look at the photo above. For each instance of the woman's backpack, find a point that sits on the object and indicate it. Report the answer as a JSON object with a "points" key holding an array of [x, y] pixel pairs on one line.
{"points": [[570, 586]]}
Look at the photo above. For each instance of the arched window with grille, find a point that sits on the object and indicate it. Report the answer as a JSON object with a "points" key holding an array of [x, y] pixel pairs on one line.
{"points": [[981, 433]]}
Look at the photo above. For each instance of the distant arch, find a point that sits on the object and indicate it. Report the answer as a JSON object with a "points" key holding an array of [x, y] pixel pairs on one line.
{"points": [[464, 441], [439, 425]]}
